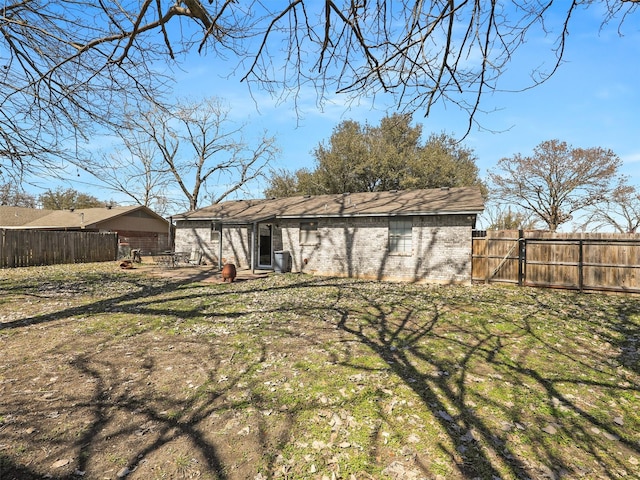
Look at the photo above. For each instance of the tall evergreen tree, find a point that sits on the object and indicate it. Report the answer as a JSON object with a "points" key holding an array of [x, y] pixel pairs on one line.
{"points": [[389, 156]]}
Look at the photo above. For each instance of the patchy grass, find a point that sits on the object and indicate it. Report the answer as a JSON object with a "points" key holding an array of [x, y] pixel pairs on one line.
{"points": [[106, 372]]}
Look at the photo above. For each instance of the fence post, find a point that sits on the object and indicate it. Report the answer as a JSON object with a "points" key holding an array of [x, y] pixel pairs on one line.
{"points": [[522, 257], [3, 249], [12, 249], [580, 264]]}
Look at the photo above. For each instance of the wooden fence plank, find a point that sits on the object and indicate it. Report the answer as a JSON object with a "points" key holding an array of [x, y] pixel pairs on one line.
{"points": [[607, 262], [23, 248]]}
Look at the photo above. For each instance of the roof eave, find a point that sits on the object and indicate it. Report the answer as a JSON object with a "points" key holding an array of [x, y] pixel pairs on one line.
{"points": [[229, 221], [246, 221], [386, 214]]}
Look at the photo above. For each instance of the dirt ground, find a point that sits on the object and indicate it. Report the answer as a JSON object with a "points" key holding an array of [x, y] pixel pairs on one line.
{"points": [[194, 273], [153, 373], [100, 384]]}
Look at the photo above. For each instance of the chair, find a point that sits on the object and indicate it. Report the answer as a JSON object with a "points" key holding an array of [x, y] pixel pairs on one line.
{"points": [[164, 260], [196, 256]]}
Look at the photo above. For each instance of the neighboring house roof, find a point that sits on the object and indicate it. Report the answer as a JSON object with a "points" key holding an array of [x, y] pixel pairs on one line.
{"points": [[18, 216], [74, 219], [461, 200]]}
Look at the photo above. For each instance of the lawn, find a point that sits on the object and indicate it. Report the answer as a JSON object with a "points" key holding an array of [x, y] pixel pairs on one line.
{"points": [[108, 373]]}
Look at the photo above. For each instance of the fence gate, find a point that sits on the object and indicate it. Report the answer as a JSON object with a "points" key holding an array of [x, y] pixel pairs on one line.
{"points": [[605, 262], [495, 258]]}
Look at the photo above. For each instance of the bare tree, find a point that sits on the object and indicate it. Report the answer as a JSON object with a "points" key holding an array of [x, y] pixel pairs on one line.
{"points": [[222, 161], [66, 67], [69, 65], [135, 169], [620, 209], [185, 154], [497, 216], [12, 196], [556, 181]]}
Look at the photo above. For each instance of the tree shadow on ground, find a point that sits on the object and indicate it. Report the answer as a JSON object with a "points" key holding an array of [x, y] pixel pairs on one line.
{"points": [[399, 333], [208, 375], [396, 341]]}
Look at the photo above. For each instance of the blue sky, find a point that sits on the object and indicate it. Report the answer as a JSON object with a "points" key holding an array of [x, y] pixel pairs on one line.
{"points": [[592, 100]]}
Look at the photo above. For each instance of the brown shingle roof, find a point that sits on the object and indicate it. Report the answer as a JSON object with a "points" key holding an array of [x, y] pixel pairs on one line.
{"points": [[17, 216], [79, 218], [82, 217], [462, 200]]}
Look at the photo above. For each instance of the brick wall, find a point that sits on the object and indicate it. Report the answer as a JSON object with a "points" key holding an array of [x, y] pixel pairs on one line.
{"points": [[236, 248], [236, 242], [354, 247], [358, 247], [196, 235], [150, 243]]}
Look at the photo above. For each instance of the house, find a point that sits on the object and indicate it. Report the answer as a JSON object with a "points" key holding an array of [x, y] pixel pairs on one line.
{"points": [[413, 235], [138, 227]]}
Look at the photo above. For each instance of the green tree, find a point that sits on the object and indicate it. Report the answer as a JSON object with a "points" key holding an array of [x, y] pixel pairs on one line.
{"points": [[390, 156], [556, 182], [64, 199], [341, 163], [442, 162], [283, 183]]}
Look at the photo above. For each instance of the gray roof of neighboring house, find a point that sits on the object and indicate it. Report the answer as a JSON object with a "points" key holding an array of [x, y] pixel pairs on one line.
{"points": [[18, 216], [460, 200], [78, 218]]}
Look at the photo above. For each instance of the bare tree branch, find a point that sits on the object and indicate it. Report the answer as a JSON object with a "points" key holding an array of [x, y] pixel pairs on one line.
{"points": [[176, 155], [619, 209], [68, 66], [557, 181]]}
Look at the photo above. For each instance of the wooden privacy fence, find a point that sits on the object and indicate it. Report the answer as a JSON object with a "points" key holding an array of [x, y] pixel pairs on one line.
{"points": [[24, 248], [595, 261]]}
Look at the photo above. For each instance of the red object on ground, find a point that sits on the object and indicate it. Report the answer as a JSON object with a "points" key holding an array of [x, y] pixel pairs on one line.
{"points": [[229, 272]]}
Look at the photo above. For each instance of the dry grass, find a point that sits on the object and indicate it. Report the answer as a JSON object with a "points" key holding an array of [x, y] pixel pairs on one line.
{"points": [[106, 372]]}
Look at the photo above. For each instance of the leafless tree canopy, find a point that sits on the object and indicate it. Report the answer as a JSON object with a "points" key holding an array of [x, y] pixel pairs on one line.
{"points": [[134, 169], [556, 181], [66, 64], [620, 210], [176, 159]]}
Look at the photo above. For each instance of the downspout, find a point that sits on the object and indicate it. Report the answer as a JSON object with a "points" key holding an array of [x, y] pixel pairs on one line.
{"points": [[253, 247], [170, 239], [220, 248]]}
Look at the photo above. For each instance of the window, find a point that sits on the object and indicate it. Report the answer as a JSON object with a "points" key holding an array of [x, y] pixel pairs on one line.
{"points": [[400, 235], [309, 233], [216, 230]]}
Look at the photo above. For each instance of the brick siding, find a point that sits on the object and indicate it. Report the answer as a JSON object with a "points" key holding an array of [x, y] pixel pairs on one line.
{"points": [[352, 247], [358, 247]]}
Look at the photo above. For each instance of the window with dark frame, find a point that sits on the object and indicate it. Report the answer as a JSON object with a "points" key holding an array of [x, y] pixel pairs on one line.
{"points": [[309, 233], [216, 230], [400, 235]]}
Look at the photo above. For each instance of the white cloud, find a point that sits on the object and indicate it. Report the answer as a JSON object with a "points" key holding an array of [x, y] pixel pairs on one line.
{"points": [[631, 158]]}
